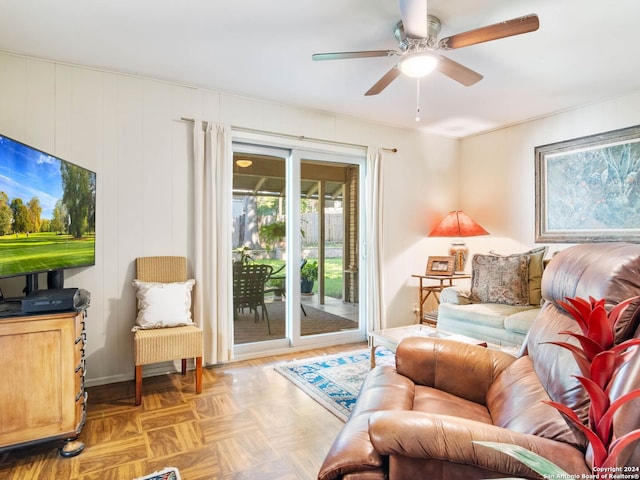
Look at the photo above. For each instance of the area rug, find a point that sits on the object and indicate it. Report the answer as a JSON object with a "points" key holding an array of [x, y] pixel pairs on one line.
{"points": [[334, 381], [169, 473]]}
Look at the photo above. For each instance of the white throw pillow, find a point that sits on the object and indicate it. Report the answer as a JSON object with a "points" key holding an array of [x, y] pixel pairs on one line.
{"points": [[163, 305]]}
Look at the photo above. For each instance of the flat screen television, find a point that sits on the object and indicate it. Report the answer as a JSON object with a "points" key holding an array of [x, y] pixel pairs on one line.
{"points": [[47, 213]]}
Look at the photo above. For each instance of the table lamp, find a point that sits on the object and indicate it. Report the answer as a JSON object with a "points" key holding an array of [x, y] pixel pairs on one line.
{"points": [[458, 224]]}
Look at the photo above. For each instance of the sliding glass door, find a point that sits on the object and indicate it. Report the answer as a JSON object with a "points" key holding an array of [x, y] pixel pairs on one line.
{"points": [[329, 245], [297, 213], [259, 238]]}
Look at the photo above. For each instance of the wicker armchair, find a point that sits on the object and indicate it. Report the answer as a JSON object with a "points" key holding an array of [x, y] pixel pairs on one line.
{"points": [[165, 344]]}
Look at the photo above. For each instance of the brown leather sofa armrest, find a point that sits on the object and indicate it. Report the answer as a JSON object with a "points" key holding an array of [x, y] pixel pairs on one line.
{"points": [[352, 453], [450, 439], [458, 368]]}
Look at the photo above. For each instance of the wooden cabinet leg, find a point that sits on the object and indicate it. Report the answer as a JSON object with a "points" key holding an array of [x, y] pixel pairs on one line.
{"points": [[138, 376], [71, 448]]}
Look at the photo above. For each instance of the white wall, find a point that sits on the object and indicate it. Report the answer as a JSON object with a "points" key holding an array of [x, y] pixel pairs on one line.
{"points": [[128, 130], [416, 199], [497, 175]]}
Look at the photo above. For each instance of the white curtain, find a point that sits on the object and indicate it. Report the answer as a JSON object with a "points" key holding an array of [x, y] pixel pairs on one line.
{"points": [[212, 161], [374, 308]]}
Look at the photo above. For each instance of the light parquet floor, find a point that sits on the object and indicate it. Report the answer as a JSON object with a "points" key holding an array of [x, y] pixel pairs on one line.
{"points": [[249, 422]]}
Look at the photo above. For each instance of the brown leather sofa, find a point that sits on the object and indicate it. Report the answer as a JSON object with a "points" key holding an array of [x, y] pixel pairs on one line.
{"points": [[418, 420]]}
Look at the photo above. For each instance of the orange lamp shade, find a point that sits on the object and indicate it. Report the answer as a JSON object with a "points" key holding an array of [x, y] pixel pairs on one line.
{"points": [[458, 224]]}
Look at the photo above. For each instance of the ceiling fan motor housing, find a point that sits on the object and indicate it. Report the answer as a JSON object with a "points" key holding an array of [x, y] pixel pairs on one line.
{"points": [[418, 44]]}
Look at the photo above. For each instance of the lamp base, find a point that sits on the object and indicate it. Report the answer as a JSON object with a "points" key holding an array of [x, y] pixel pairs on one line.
{"points": [[460, 252]]}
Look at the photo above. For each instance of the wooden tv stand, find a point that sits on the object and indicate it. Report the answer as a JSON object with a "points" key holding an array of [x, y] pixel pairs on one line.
{"points": [[43, 396]]}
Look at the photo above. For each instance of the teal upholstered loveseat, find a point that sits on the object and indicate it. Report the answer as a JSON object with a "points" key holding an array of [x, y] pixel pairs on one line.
{"points": [[502, 300]]}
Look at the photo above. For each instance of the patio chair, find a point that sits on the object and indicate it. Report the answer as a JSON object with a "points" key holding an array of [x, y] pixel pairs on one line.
{"points": [[249, 282], [280, 290], [278, 277]]}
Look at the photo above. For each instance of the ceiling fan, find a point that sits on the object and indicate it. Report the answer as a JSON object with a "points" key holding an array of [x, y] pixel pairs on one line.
{"points": [[417, 36]]}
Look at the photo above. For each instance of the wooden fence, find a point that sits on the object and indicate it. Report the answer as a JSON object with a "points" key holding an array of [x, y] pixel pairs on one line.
{"points": [[334, 229]]}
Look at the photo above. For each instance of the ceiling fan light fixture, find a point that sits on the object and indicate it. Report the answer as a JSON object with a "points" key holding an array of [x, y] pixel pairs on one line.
{"points": [[418, 65]]}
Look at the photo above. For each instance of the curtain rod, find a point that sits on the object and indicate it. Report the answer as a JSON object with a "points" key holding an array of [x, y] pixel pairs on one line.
{"points": [[294, 137]]}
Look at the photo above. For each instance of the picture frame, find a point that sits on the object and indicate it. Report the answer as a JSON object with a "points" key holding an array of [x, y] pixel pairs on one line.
{"points": [[440, 266], [588, 189]]}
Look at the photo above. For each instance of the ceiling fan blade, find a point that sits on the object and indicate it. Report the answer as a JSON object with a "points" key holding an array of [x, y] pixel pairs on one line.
{"points": [[384, 82], [414, 17], [508, 28], [457, 72], [343, 55]]}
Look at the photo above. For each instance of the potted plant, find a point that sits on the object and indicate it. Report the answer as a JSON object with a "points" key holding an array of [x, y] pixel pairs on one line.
{"points": [[308, 275], [599, 359], [272, 234], [243, 255]]}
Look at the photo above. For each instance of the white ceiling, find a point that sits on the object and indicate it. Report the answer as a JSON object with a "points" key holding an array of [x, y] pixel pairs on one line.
{"points": [[584, 51]]}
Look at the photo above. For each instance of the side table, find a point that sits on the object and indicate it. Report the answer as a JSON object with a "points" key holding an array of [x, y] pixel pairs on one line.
{"points": [[428, 287]]}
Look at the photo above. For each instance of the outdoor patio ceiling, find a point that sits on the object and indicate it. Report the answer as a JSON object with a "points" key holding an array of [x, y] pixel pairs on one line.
{"points": [[266, 177]]}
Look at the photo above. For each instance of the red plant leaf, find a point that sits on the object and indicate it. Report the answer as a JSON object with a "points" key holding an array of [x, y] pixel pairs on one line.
{"points": [[599, 449], [625, 345], [579, 309], [617, 446], [590, 347], [582, 361], [621, 359], [598, 408], [602, 368], [606, 422], [623, 352], [600, 330]]}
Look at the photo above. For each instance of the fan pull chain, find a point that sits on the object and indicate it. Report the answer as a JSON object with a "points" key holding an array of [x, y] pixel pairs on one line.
{"points": [[417, 99]]}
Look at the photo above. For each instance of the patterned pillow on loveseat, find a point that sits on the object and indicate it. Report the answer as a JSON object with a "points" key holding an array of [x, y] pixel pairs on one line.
{"points": [[497, 279]]}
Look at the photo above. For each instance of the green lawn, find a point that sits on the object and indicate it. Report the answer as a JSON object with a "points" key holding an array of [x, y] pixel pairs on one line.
{"points": [[43, 251], [332, 275]]}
